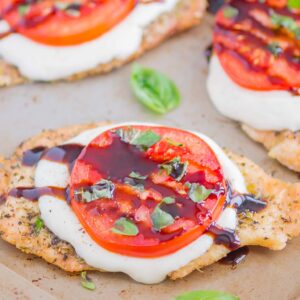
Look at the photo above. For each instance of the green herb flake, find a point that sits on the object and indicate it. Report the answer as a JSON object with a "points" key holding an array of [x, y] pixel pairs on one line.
{"points": [[160, 218], [153, 89], [230, 12], [23, 9], [173, 143], [137, 175], [293, 4], [275, 49], [198, 193], [285, 22], [102, 189], [38, 225], [168, 200], [175, 168], [143, 139], [86, 282], [124, 226], [206, 295]]}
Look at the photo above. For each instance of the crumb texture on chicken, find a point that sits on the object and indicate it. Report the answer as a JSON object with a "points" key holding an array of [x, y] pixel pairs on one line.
{"points": [[283, 146], [186, 14], [270, 228]]}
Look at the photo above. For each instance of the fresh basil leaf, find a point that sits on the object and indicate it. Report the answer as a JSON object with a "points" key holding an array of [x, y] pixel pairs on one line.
{"points": [[102, 189], [169, 200], [275, 49], [136, 183], [23, 9], [143, 139], [230, 12], [38, 225], [198, 193], [294, 4], [160, 218], [285, 22], [154, 90], [206, 295], [146, 139], [175, 168], [86, 282], [125, 226], [137, 175]]}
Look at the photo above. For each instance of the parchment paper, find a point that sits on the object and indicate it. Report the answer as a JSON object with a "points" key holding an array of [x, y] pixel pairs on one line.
{"points": [[26, 110]]}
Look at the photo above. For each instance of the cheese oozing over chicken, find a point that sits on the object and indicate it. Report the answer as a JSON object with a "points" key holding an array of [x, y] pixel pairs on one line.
{"points": [[62, 221]]}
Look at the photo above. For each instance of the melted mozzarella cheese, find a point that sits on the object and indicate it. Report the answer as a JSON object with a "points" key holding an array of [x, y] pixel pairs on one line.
{"points": [[42, 62], [61, 220], [264, 110]]}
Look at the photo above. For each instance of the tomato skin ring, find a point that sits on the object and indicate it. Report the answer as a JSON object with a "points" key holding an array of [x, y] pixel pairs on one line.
{"points": [[122, 246], [60, 29]]}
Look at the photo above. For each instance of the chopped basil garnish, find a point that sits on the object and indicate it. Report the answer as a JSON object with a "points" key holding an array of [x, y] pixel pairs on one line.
{"points": [[230, 12], [23, 9], [102, 189], [124, 226], [175, 168], [154, 90], [169, 200], [143, 139], [87, 282], [160, 218], [137, 175], [136, 183], [174, 143], [275, 49], [197, 192], [293, 4], [285, 22], [38, 225], [206, 295]]}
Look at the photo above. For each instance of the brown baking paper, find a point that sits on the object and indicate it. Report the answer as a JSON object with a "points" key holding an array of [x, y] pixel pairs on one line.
{"points": [[26, 110]]}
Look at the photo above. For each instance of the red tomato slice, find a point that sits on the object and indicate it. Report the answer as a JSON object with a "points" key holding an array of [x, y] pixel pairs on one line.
{"points": [[252, 50], [62, 25], [108, 157]]}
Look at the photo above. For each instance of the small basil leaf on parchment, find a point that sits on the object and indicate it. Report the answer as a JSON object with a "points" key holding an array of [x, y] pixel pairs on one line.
{"points": [[38, 225], [206, 295], [124, 226], [160, 218], [198, 192], [153, 89], [86, 282], [294, 4]]}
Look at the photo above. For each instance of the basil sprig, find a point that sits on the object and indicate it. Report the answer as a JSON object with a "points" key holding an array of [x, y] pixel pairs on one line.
{"points": [[285, 22], [230, 12], [206, 295], [102, 189], [136, 180], [124, 226], [160, 218], [87, 282], [143, 139], [38, 225], [153, 89], [175, 168], [294, 4], [198, 192]]}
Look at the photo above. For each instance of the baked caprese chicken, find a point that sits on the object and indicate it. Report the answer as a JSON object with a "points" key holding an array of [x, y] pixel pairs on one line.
{"points": [[51, 40], [147, 200], [254, 74]]}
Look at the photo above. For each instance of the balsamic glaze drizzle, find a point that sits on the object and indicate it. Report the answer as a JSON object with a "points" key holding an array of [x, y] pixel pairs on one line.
{"points": [[235, 257]]}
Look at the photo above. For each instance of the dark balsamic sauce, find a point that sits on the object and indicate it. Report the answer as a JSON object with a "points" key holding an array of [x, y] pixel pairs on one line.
{"points": [[222, 236], [34, 193], [66, 154], [235, 257], [209, 52]]}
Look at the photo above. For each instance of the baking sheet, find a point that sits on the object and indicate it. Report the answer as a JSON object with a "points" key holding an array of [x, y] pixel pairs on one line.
{"points": [[26, 110]]}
